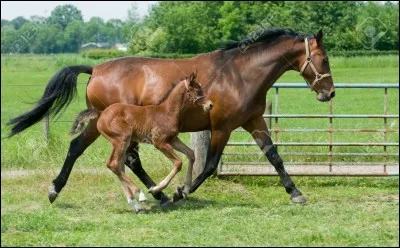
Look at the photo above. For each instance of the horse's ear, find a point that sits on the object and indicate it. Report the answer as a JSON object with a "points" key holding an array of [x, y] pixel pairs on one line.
{"points": [[319, 36]]}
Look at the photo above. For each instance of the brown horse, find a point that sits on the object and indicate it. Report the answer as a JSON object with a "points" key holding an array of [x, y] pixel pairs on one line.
{"points": [[121, 124], [235, 78]]}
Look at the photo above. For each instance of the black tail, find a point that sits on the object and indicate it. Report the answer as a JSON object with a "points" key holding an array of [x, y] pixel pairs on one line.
{"points": [[79, 122], [59, 92]]}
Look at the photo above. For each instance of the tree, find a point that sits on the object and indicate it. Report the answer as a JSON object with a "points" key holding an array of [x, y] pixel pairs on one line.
{"points": [[73, 36], [18, 22], [64, 14]]}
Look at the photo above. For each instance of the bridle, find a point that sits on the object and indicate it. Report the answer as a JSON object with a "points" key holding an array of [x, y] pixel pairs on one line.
{"points": [[318, 76]]}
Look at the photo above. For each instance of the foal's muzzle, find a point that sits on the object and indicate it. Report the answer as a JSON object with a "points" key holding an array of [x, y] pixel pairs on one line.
{"points": [[207, 106]]}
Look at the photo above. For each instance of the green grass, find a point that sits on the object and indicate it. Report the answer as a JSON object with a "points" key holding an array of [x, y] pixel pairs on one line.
{"points": [[92, 211], [234, 211]]}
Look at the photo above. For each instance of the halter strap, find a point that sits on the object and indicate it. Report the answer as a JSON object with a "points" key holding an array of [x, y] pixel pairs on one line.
{"points": [[318, 76]]}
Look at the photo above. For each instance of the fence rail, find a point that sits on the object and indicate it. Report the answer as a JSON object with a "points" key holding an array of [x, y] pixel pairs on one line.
{"points": [[329, 167]]}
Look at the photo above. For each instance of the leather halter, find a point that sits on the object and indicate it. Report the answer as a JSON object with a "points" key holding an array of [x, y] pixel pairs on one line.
{"points": [[318, 76]]}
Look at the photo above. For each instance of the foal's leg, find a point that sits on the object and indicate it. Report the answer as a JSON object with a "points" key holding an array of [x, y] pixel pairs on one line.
{"points": [[258, 129], [116, 165], [181, 147], [76, 148], [134, 163], [169, 152]]}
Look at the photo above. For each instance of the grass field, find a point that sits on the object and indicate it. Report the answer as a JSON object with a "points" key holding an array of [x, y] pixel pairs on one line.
{"points": [[245, 211]]}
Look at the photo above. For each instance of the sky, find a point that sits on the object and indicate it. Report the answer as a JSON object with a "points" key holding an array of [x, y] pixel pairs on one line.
{"points": [[106, 10]]}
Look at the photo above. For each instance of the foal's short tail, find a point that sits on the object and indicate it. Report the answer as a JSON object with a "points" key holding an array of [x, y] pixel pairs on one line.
{"points": [[79, 122]]}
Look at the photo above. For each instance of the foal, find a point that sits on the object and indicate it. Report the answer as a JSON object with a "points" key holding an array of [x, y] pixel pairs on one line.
{"points": [[122, 124]]}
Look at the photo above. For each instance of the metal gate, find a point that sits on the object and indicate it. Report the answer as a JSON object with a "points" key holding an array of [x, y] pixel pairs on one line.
{"points": [[334, 157]]}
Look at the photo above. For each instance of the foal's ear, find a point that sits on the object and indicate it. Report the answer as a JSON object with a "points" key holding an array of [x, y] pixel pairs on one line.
{"points": [[192, 76], [319, 36]]}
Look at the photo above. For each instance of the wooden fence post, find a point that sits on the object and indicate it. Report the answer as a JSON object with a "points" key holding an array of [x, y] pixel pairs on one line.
{"points": [[46, 126], [199, 142], [268, 111]]}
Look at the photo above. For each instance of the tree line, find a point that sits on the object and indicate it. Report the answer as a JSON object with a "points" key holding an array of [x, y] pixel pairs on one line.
{"points": [[196, 27]]}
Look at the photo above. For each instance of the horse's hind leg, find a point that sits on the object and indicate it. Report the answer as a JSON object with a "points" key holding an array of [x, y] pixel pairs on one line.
{"points": [[76, 148], [258, 129], [134, 163]]}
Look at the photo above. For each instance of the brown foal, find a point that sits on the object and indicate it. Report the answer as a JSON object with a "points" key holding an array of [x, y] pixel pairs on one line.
{"points": [[124, 124]]}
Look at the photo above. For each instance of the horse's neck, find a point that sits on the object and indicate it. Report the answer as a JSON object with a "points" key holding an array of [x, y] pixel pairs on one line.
{"points": [[173, 103], [264, 64]]}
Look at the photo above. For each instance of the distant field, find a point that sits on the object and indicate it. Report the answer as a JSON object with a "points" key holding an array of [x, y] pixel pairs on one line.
{"points": [[243, 211], [37, 70]]}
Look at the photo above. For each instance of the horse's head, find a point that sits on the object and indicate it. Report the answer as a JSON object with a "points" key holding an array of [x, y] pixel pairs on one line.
{"points": [[195, 94], [314, 67]]}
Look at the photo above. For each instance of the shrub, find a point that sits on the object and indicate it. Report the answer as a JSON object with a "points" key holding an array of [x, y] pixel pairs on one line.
{"points": [[102, 53]]}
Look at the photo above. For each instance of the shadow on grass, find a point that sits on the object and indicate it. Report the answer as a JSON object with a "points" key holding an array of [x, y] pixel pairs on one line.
{"points": [[190, 204], [312, 181]]}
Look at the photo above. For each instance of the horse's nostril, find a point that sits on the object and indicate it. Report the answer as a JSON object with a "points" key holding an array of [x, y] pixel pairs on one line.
{"points": [[211, 105], [332, 94]]}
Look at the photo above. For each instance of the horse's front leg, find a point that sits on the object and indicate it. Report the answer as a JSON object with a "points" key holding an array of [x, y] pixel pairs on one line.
{"points": [[258, 129], [134, 163], [219, 138]]}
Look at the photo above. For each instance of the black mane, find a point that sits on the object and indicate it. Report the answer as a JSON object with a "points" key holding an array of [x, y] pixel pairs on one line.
{"points": [[264, 35]]}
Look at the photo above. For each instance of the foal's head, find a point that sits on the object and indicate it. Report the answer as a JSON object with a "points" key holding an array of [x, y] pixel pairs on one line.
{"points": [[314, 67], [195, 95]]}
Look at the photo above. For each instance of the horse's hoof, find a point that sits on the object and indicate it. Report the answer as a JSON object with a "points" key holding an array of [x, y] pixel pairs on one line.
{"points": [[164, 199], [178, 195], [52, 195], [298, 199]]}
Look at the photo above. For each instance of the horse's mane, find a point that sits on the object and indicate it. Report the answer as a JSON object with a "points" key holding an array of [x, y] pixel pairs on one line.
{"points": [[264, 35]]}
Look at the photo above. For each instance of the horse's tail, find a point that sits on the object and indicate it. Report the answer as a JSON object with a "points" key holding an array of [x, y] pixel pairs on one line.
{"points": [[59, 93], [79, 122]]}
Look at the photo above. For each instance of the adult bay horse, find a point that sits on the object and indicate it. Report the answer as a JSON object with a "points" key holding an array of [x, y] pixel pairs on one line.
{"points": [[235, 78]]}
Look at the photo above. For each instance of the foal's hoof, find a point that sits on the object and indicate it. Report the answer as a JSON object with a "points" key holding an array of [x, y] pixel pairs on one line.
{"points": [[142, 197], [52, 195], [298, 199]]}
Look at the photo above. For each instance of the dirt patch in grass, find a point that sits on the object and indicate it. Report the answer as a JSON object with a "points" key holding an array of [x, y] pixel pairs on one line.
{"points": [[374, 200]]}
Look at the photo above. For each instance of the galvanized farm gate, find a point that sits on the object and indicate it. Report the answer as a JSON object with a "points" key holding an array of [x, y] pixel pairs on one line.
{"points": [[330, 166]]}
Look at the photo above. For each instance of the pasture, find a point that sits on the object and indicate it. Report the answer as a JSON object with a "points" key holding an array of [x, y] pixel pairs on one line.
{"points": [[232, 211]]}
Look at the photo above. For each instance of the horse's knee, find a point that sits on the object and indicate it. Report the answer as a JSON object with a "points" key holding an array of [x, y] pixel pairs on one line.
{"points": [[273, 157]]}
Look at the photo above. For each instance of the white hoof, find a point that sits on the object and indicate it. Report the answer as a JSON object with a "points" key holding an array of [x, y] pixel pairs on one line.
{"points": [[135, 205], [142, 197]]}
